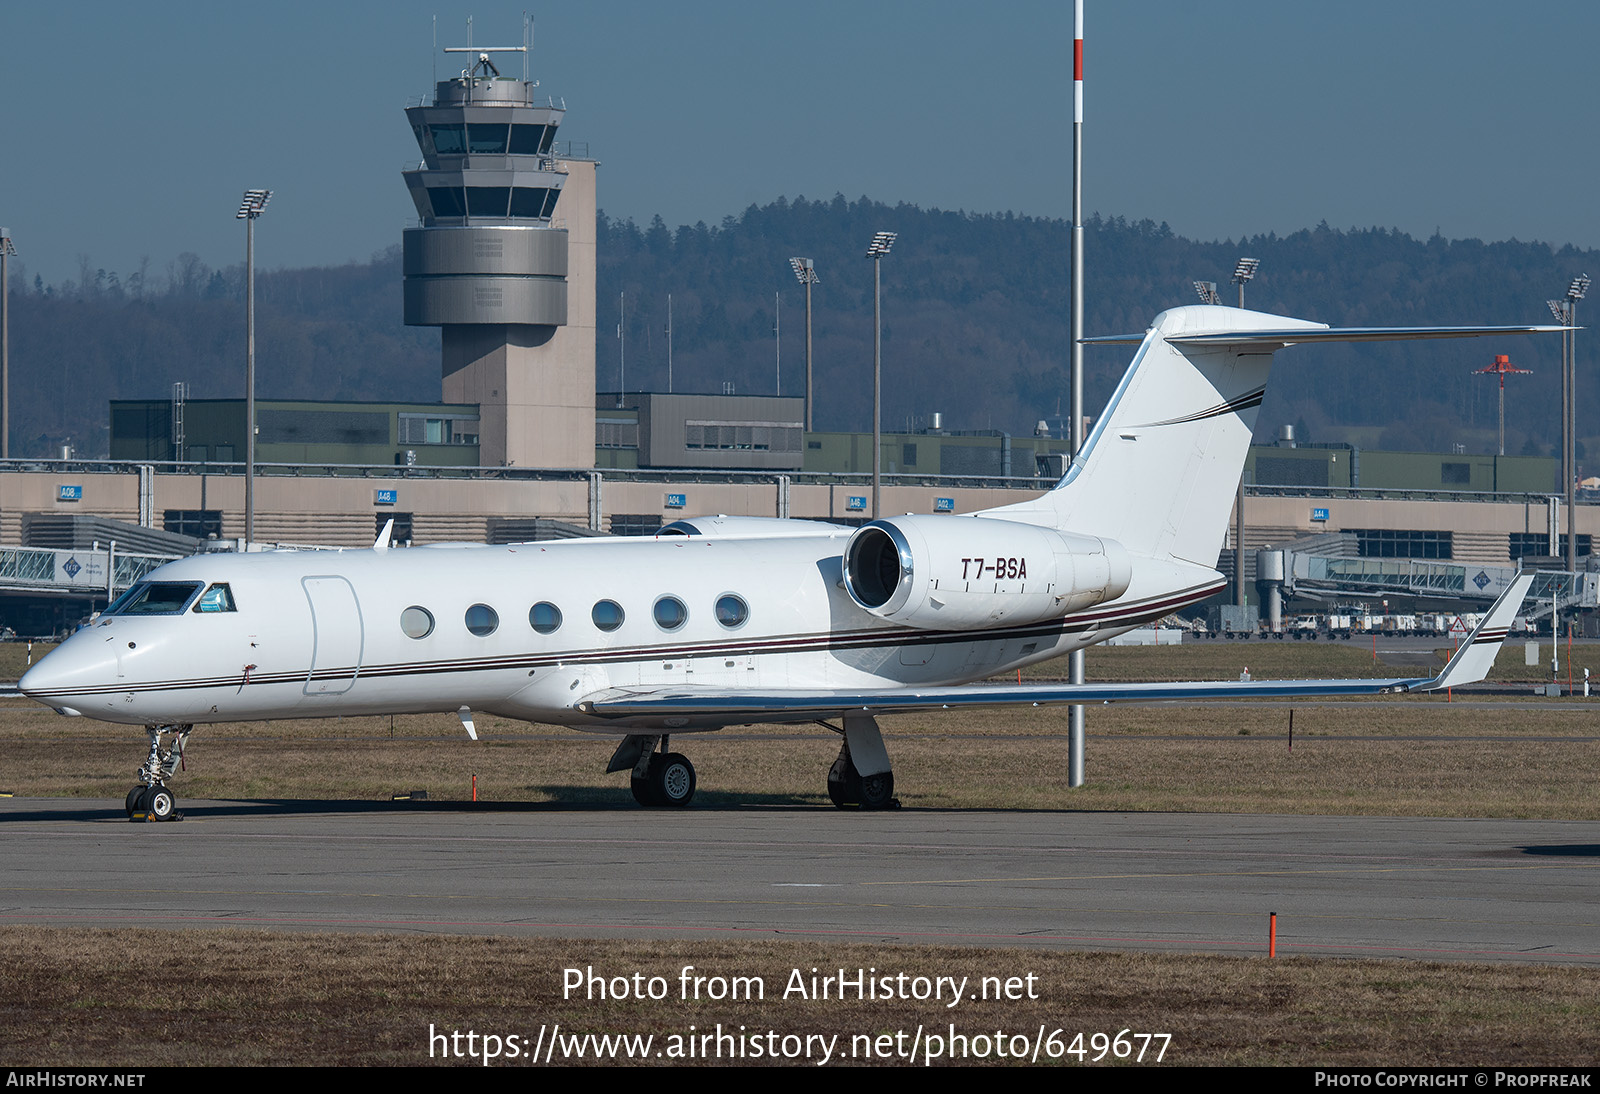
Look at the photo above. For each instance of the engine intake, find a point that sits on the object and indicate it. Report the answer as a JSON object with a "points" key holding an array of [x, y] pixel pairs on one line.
{"points": [[955, 573]]}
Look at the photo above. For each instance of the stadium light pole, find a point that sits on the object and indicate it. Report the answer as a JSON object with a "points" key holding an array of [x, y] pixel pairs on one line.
{"points": [[1244, 271], [806, 271], [254, 203], [1575, 292], [880, 245], [1562, 311], [7, 249], [1207, 292]]}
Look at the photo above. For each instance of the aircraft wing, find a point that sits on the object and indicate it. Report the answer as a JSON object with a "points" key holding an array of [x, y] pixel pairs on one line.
{"points": [[1470, 664], [1293, 336]]}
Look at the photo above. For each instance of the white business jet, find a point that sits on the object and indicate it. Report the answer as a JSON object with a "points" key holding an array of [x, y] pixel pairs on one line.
{"points": [[730, 621]]}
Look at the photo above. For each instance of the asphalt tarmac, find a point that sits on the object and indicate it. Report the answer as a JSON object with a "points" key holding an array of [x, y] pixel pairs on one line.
{"points": [[1436, 889]]}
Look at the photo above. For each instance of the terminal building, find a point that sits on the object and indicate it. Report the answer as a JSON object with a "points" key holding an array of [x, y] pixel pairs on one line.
{"points": [[502, 260]]}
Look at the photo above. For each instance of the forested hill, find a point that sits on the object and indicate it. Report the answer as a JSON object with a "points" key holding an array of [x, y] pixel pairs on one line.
{"points": [[974, 324]]}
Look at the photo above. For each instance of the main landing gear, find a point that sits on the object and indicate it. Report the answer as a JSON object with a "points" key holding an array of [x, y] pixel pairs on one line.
{"points": [[151, 800], [861, 776], [659, 778]]}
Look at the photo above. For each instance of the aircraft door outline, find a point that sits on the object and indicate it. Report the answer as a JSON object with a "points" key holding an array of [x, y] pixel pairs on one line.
{"points": [[338, 634]]}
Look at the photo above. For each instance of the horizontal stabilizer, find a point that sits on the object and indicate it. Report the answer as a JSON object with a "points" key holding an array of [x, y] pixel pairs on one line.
{"points": [[1277, 339]]}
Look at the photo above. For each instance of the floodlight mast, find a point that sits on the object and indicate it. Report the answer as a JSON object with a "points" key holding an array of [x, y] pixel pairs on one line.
{"points": [[805, 270], [7, 249], [1207, 291], [1244, 271], [880, 245], [1562, 310], [254, 203], [1575, 292]]}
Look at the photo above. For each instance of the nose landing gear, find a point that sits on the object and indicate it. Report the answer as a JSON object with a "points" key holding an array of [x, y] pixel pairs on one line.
{"points": [[151, 800]]}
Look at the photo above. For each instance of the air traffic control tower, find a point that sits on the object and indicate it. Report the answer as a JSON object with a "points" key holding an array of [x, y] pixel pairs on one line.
{"points": [[504, 262]]}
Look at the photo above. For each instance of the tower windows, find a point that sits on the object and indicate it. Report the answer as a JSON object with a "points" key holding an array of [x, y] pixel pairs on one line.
{"points": [[487, 201], [486, 140], [526, 140], [533, 202], [446, 201], [449, 140]]}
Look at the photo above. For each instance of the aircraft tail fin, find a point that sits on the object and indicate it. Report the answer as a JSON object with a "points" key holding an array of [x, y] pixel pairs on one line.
{"points": [[1160, 469]]}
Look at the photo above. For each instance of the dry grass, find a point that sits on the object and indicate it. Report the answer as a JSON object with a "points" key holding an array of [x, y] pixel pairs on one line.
{"points": [[15, 657], [1269, 660], [1400, 757], [134, 998]]}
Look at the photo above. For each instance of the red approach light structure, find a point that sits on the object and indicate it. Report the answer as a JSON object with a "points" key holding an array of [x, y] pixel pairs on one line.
{"points": [[1502, 366]]}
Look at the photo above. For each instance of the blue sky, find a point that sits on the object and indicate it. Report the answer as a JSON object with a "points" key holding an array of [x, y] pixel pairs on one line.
{"points": [[130, 130]]}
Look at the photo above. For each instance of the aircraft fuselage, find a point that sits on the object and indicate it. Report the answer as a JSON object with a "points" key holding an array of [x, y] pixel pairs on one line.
{"points": [[320, 633]]}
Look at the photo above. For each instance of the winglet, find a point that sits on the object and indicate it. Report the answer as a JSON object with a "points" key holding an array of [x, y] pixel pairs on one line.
{"points": [[1473, 660], [381, 544]]}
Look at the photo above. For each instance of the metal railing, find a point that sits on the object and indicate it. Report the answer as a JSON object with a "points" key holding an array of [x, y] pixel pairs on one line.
{"points": [[525, 474], [712, 475], [1378, 493]]}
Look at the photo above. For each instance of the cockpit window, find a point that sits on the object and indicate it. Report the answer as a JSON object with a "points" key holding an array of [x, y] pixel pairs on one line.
{"points": [[215, 599], [156, 598]]}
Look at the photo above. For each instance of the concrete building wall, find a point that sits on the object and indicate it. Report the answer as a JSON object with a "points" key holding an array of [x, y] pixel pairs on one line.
{"points": [[1480, 531], [346, 510]]}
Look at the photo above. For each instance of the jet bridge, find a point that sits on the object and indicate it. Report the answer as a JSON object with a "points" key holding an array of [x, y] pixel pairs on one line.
{"points": [[1319, 577], [94, 572]]}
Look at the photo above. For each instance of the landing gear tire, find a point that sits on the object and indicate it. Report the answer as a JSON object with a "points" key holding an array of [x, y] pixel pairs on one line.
{"points": [[133, 800], [877, 791], [674, 779], [847, 787], [669, 782], [160, 803], [643, 793], [840, 784]]}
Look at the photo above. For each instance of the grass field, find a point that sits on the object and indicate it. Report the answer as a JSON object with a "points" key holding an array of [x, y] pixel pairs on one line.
{"points": [[148, 997], [1404, 757], [130, 998]]}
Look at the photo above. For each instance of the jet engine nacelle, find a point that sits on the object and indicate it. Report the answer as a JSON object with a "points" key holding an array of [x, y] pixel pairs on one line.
{"points": [[954, 573]]}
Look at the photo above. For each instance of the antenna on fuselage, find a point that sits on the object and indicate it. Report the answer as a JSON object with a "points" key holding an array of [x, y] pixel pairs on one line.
{"points": [[381, 544]]}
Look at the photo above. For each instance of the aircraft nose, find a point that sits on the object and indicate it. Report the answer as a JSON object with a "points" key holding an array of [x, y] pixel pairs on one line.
{"points": [[60, 679]]}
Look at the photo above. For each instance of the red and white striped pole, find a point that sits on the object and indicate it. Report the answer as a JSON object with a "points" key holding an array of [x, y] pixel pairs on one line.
{"points": [[1075, 735]]}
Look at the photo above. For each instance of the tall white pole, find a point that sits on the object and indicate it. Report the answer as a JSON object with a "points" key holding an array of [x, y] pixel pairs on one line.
{"points": [[808, 353], [5, 347], [877, 382], [249, 381], [249, 208], [1570, 457], [669, 343], [1075, 734]]}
